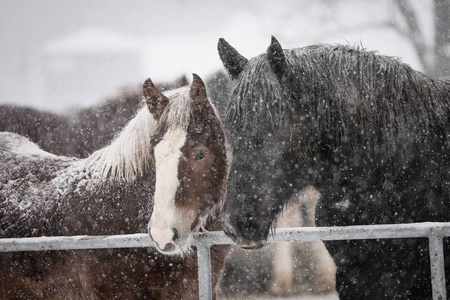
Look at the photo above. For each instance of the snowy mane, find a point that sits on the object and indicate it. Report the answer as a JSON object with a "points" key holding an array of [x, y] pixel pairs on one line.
{"points": [[128, 155], [179, 109]]}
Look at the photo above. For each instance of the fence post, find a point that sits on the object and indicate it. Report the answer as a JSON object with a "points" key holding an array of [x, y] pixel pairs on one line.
{"points": [[437, 266], [204, 270]]}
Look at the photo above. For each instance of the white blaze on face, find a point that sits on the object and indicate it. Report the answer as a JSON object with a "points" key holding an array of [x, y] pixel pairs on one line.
{"points": [[167, 155]]}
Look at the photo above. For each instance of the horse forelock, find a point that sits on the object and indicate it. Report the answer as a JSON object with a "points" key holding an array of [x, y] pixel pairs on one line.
{"points": [[256, 103], [179, 109]]}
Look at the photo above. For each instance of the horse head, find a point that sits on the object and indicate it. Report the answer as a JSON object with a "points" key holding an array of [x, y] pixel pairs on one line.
{"points": [[256, 141], [188, 150]]}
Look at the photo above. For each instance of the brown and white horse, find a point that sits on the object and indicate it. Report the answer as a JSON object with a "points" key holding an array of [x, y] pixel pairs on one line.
{"points": [[188, 149], [115, 191]]}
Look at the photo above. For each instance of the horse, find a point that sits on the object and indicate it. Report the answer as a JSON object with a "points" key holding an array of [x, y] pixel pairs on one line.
{"points": [[170, 157], [43, 128], [218, 87], [80, 132], [301, 267], [368, 131], [283, 268]]}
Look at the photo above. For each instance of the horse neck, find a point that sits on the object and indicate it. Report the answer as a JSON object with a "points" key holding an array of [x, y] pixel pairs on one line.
{"points": [[128, 155], [325, 67]]}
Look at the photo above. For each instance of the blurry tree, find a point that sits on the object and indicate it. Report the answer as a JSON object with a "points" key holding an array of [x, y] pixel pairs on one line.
{"points": [[442, 37], [435, 58]]}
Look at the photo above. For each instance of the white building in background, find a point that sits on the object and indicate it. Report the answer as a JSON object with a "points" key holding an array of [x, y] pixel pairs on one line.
{"points": [[81, 67]]}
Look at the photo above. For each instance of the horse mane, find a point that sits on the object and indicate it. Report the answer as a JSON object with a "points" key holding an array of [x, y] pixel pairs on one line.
{"points": [[179, 110], [255, 113], [128, 155], [351, 95]]}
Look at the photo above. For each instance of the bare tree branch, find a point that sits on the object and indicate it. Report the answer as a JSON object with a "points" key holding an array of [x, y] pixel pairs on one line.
{"points": [[442, 38], [414, 32]]}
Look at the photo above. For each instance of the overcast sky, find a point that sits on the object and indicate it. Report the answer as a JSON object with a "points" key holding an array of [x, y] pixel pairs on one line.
{"points": [[179, 37]]}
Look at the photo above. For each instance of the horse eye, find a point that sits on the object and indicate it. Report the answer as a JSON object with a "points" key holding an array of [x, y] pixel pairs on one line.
{"points": [[201, 155]]}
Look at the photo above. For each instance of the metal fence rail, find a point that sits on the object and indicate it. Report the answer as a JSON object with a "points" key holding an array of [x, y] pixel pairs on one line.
{"points": [[435, 232]]}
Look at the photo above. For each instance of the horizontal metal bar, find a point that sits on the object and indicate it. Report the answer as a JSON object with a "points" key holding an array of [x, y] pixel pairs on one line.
{"points": [[388, 231], [385, 231], [75, 242], [203, 240]]}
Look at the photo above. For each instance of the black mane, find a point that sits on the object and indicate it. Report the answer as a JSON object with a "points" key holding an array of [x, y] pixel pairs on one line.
{"points": [[352, 95]]}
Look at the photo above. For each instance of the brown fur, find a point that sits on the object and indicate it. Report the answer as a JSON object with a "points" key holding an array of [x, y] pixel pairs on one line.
{"points": [[97, 209], [105, 274]]}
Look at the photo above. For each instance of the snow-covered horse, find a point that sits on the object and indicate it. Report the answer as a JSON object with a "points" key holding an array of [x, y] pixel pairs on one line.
{"points": [[368, 131], [169, 163]]}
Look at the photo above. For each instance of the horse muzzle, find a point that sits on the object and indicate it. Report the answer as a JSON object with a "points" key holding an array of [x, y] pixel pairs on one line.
{"points": [[246, 234], [165, 240]]}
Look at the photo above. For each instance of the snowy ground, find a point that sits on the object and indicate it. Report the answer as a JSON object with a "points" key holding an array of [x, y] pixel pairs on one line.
{"points": [[331, 296]]}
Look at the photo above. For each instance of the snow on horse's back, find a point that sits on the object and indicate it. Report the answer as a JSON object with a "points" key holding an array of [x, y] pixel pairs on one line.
{"points": [[11, 142], [112, 192]]}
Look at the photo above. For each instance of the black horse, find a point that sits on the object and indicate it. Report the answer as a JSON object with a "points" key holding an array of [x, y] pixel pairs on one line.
{"points": [[371, 133]]}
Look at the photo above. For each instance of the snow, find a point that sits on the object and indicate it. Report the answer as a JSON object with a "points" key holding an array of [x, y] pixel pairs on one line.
{"points": [[331, 296], [21, 146], [90, 40]]}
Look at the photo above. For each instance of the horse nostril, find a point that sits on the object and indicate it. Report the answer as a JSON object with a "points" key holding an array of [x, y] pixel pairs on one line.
{"points": [[164, 238], [169, 247], [175, 234]]}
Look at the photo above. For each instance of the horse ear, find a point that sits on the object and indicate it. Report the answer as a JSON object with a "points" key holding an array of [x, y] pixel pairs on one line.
{"points": [[232, 60], [276, 58], [156, 101], [199, 96]]}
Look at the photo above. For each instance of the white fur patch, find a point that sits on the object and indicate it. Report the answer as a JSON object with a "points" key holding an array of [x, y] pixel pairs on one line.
{"points": [[127, 156], [167, 156]]}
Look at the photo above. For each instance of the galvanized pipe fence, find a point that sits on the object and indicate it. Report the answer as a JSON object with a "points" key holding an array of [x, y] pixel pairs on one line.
{"points": [[435, 232]]}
